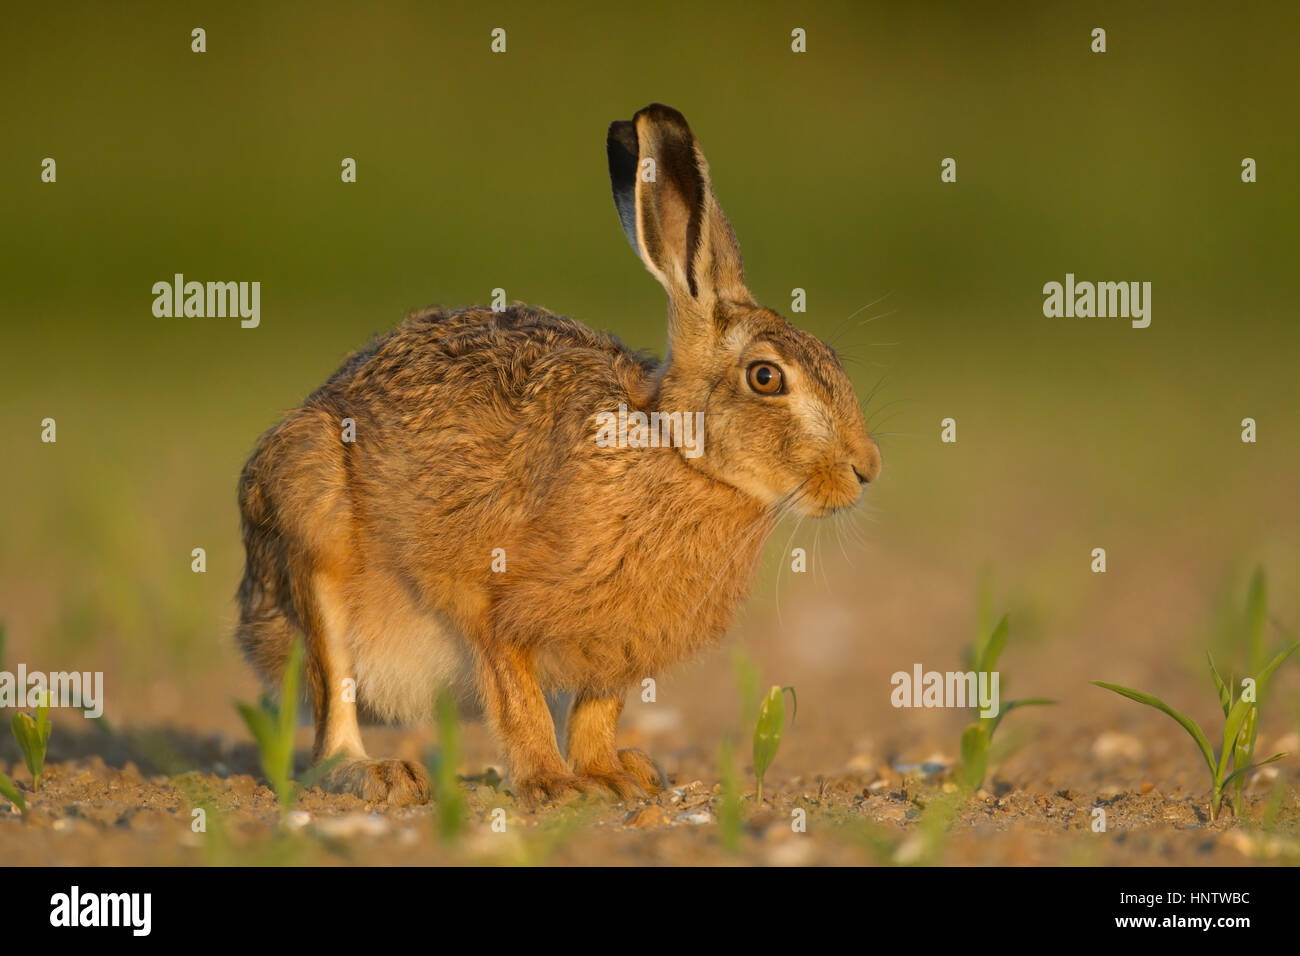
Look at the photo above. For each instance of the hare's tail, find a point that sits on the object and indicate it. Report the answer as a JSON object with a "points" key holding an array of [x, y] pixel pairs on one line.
{"points": [[265, 630], [290, 503], [265, 634]]}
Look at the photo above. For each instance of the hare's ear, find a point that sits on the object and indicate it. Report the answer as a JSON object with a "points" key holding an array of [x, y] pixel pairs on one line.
{"points": [[665, 201]]}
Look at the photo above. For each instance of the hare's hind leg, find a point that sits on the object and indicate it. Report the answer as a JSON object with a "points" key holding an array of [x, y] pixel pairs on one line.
{"points": [[295, 501], [592, 752], [518, 712], [331, 676]]}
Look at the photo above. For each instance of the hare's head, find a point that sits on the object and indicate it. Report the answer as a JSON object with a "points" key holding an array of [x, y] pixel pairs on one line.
{"points": [[781, 421]]}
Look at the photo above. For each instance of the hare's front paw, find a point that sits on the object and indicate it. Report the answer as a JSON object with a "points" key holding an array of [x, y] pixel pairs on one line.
{"points": [[641, 765], [398, 783]]}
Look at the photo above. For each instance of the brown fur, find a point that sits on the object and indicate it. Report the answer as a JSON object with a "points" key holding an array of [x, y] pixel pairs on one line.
{"points": [[475, 431]]}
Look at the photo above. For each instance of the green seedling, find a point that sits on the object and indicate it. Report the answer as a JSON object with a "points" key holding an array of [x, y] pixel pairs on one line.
{"points": [[920, 845], [745, 671], [273, 726], [728, 809], [1226, 768], [10, 793], [977, 738], [767, 731], [542, 842], [32, 736], [1255, 618], [198, 795], [446, 785], [925, 846]]}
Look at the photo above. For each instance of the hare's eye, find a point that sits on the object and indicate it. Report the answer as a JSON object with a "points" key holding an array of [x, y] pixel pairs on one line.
{"points": [[765, 378]]}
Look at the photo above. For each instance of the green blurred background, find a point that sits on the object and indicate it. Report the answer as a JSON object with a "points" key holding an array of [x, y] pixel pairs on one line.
{"points": [[478, 171]]}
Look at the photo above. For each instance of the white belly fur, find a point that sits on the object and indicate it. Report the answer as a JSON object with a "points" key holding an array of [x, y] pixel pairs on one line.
{"points": [[403, 658]]}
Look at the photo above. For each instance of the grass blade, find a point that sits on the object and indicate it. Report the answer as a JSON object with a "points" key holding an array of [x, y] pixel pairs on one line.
{"points": [[974, 755], [997, 643], [1255, 766], [288, 711], [1256, 609], [1184, 721], [728, 804], [1231, 731], [1014, 704], [318, 772], [1273, 665], [258, 723], [43, 720], [1225, 692], [446, 784], [10, 793]]}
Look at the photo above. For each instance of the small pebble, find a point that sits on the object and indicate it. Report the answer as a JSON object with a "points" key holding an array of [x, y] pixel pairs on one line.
{"points": [[790, 853], [696, 817], [353, 824], [861, 763], [1113, 745]]}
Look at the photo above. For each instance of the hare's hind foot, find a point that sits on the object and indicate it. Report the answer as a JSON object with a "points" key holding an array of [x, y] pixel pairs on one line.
{"points": [[538, 789], [635, 776], [398, 783], [640, 765]]}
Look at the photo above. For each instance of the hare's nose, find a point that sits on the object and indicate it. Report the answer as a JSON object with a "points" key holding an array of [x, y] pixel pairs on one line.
{"points": [[868, 467]]}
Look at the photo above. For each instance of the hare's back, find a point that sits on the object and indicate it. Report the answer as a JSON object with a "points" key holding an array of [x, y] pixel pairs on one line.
{"points": [[520, 362]]}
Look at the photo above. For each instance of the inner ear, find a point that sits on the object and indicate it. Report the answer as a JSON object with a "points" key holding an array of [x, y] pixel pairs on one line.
{"points": [[681, 196]]}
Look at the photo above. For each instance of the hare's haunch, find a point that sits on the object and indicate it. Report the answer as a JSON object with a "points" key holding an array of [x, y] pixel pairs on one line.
{"points": [[521, 505]]}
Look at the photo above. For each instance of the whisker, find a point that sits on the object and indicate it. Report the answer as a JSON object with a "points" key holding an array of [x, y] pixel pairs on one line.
{"points": [[877, 318], [780, 567], [897, 401], [870, 304], [826, 583], [845, 324], [872, 394], [839, 538]]}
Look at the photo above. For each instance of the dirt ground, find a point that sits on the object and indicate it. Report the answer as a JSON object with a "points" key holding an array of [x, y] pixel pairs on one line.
{"points": [[104, 810], [874, 781]]}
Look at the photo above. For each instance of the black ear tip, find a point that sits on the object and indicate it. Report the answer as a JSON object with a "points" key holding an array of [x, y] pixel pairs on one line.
{"points": [[622, 136], [623, 149]]}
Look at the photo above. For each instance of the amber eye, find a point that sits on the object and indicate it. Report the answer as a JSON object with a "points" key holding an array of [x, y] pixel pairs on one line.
{"points": [[765, 378]]}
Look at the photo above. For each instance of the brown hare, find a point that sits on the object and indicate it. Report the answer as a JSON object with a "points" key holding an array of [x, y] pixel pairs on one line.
{"points": [[476, 533]]}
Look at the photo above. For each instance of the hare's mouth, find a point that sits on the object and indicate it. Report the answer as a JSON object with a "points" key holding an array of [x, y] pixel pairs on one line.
{"points": [[835, 487], [824, 509]]}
